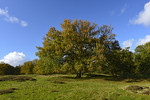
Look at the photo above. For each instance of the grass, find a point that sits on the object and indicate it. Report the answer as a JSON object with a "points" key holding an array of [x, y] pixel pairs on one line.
{"points": [[65, 87]]}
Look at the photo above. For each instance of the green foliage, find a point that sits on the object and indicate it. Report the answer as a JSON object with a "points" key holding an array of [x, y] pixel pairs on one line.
{"points": [[78, 47], [17, 70], [46, 66], [120, 62], [142, 58], [28, 67], [6, 69]]}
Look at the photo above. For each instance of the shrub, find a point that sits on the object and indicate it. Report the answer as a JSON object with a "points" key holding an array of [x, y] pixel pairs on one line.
{"points": [[17, 70], [6, 69]]}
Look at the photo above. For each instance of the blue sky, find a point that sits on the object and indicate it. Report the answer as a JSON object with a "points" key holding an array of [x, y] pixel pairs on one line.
{"points": [[23, 23]]}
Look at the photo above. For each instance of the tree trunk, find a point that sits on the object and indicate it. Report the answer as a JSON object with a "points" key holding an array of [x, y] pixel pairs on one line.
{"points": [[78, 74]]}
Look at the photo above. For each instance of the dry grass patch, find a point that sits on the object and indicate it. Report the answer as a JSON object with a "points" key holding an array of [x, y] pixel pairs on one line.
{"points": [[54, 91], [146, 92], [58, 82], [132, 88], [11, 90], [17, 78], [139, 89]]}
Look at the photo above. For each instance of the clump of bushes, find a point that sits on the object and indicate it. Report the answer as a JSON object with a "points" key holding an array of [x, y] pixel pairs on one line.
{"points": [[6, 69], [17, 78], [26, 68]]}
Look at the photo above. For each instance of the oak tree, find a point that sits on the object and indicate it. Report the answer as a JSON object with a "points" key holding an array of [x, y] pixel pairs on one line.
{"points": [[79, 47]]}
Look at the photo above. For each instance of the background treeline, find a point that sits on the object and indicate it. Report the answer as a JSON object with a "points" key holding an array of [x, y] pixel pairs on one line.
{"points": [[6, 69], [81, 48], [26, 68]]}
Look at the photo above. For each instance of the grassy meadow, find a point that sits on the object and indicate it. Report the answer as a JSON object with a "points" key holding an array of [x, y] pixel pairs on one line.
{"points": [[66, 87]]}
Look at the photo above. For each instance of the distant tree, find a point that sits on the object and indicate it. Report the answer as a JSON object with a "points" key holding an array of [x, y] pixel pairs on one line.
{"points": [[120, 62], [142, 58], [17, 70], [28, 67], [78, 47], [6, 69]]}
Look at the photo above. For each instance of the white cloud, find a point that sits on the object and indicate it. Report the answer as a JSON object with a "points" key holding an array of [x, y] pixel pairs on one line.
{"points": [[15, 58], [143, 16], [24, 23], [144, 40], [123, 9], [112, 13], [4, 12], [128, 43], [12, 19]]}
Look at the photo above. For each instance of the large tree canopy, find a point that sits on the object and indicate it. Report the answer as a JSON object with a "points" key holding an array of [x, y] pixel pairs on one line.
{"points": [[79, 47]]}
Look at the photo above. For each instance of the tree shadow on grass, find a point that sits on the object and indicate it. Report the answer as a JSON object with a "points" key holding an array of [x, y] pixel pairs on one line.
{"points": [[93, 76], [128, 78], [136, 78]]}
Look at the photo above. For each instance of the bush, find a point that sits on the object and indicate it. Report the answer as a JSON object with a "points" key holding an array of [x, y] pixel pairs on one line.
{"points": [[17, 70], [6, 69]]}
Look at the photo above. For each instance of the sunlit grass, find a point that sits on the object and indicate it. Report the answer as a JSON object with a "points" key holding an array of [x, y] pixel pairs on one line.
{"points": [[50, 88]]}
